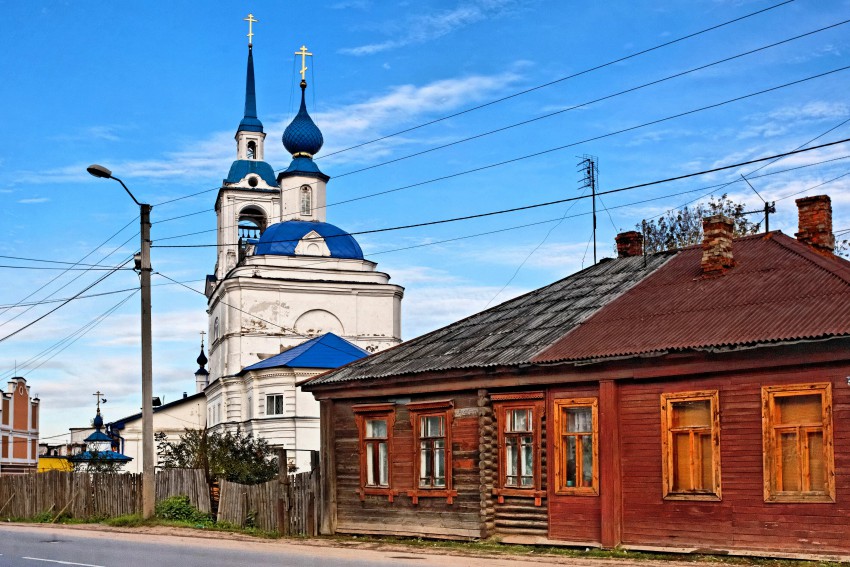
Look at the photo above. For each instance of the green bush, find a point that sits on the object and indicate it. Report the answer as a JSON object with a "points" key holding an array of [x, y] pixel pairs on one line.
{"points": [[180, 509]]}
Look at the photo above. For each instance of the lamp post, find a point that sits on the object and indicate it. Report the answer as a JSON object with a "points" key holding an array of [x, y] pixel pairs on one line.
{"points": [[148, 493]]}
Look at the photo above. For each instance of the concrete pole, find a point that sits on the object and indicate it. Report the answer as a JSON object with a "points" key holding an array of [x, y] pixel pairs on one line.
{"points": [[148, 490]]}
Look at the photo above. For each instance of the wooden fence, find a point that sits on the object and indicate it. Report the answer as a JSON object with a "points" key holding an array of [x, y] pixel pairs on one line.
{"points": [[93, 495], [286, 505]]}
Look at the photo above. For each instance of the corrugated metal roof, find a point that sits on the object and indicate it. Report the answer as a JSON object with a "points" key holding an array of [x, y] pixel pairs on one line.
{"points": [[507, 334], [779, 290]]}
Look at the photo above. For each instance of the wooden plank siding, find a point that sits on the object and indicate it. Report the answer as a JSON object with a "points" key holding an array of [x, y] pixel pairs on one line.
{"points": [[431, 516], [742, 519]]}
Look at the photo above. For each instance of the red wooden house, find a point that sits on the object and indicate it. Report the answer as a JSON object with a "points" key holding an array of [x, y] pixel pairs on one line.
{"points": [[693, 399]]}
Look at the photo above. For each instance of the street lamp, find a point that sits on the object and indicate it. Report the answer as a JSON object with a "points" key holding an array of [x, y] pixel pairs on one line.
{"points": [[148, 492]]}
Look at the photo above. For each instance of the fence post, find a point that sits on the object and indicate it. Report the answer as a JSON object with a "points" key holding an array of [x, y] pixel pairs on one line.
{"points": [[283, 498], [313, 506]]}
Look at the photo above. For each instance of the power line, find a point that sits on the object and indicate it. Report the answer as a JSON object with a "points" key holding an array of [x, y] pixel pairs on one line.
{"points": [[556, 81], [526, 91], [558, 148], [30, 324], [69, 339], [89, 269], [590, 102], [60, 300], [116, 233], [538, 205]]}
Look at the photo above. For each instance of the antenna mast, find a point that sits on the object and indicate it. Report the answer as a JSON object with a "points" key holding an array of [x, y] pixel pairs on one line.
{"points": [[588, 168]]}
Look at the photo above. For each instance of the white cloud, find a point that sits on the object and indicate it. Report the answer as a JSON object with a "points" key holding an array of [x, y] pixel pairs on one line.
{"points": [[423, 27], [105, 133], [790, 118], [33, 200]]}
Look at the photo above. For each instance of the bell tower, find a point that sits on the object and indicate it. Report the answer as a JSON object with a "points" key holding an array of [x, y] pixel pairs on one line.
{"points": [[249, 198]]}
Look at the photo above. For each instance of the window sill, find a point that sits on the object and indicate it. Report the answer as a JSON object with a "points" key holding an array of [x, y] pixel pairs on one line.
{"points": [[577, 491], [390, 493], [415, 495], [800, 498], [693, 497], [538, 495]]}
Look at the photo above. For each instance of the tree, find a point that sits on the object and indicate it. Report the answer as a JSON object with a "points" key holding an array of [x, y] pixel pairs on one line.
{"points": [[232, 456], [677, 229]]}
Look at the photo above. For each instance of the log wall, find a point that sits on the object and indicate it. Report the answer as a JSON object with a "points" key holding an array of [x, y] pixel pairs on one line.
{"points": [[431, 516]]}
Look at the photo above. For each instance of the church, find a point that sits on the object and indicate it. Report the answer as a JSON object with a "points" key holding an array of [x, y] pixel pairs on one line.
{"points": [[291, 295]]}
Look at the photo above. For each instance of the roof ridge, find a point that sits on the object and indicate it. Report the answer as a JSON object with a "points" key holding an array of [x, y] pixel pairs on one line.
{"points": [[834, 265]]}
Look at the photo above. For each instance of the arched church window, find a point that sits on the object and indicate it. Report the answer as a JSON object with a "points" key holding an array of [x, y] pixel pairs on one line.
{"points": [[252, 150], [306, 201], [252, 222]]}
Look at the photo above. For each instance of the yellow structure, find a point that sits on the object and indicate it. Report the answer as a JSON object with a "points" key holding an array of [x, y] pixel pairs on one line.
{"points": [[54, 463]]}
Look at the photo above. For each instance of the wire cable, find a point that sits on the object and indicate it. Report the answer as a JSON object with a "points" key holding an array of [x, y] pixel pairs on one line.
{"points": [[537, 205], [562, 79]]}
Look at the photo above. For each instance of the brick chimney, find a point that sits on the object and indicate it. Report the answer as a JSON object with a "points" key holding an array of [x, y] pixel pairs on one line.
{"points": [[717, 245], [629, 244], [815, 223]]}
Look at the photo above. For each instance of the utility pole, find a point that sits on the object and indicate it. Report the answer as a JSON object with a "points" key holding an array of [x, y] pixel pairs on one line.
{"points": [[143, 265], [588, 167]]}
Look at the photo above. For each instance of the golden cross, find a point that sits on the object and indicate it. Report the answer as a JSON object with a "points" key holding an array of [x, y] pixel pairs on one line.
{"points": [[250, 19], [303, 53], [202, 338]]}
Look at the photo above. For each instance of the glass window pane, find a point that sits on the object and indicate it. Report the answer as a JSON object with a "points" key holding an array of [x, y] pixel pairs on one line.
{"points": [[376, 428], [705, 460], [790, 463], [370, 464], [527, 461], [692, 414], [520, 420], [432, 426], [570, 465], [587, 460], [681, 462], [426, 463], [439, 464], [511, 461], [817, 470], [383, 459], [579, 420], [800, 410], [278, 405]]}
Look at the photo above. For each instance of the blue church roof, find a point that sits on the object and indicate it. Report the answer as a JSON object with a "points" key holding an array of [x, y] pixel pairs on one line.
{"points": [[98, 435], [302, 136], [325, 351], [303, 166], [250, 122], [281, 239], [101, 456], [243, 167]]}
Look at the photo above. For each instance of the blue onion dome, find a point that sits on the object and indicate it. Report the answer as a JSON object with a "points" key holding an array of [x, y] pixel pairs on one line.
{"points": [[282, 239], [98, 421], [302, 138]]}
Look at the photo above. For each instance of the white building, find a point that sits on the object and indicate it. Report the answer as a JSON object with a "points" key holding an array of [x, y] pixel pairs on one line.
{"points": [[283, 276]]}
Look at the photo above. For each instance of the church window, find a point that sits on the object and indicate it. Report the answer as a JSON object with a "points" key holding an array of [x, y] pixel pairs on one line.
{"points": [[252, 181], [274, 404], [306, 201], [252, 150]]}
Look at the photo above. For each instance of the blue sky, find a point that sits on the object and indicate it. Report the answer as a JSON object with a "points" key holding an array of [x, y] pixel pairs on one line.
{"points": [[155, 90]]}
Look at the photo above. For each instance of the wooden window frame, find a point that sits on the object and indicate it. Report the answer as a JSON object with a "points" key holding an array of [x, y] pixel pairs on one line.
{"points": [[560, 484], [362, 414], [418, 410], [502, 404], [667, 431], [771, 470]]}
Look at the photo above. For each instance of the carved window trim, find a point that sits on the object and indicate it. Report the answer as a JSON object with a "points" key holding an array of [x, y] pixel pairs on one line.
{"points": [[418, 411], [503, 404], [773, 454], [668, 430], [561, 484], [362, 414]]}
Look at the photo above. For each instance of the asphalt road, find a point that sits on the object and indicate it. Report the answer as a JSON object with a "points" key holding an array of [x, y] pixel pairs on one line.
{"points": [[51, 546]]}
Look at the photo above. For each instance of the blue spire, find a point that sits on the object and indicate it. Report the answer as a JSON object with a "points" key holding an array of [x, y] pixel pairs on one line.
{"points": [[250, 123], [302, 138]]}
